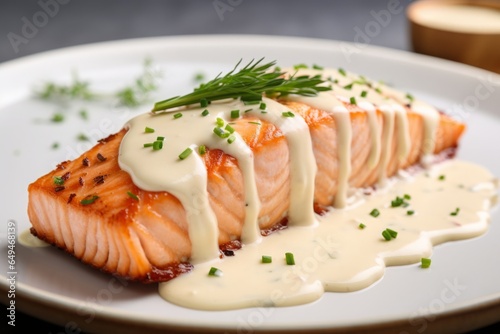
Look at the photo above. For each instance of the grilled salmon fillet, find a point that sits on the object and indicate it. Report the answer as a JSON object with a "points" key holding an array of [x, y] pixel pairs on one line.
{"points": [[143, 236]]}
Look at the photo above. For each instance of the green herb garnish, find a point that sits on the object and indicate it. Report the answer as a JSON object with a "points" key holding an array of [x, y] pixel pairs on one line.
{"points": [[289, 259], [215, 272], [132, 195], [205, 112], [361, 226], [353, 100], [202, 149], [425, 262], [178, 115], [89, 199], [375, 213], [58, 180], [149, 130], [235, 113], [84, 114], [57, 118], [267, 259], [288, 114], [82, 137], [454, 213], [389, 234], [138, 93], [249, 83], [185, 153]]}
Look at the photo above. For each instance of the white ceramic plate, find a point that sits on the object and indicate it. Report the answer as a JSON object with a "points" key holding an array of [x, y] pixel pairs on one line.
{"points": [[462, 283]]}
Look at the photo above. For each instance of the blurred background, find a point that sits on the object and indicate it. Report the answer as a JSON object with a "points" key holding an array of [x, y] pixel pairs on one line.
{"points": [[30, 27]]}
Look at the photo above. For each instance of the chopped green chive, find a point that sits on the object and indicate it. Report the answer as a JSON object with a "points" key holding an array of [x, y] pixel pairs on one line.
{"points": [[263, 112], [202, 149], [348, 87], [289, 259], [441, 177], [199, 77], [317, 67], [247, 110], [267, 259], [454, 213], [58, 180], [235, 113], [205, 112], [185, 153], [262, 106], [83, 114], [397, 202], [393, 233], [389, 234], [406, 196], [57, 118], [375, 213], [82, 137], [89, 199], [149, 130], [353, 100], [342, 71], [256, 123], [361, 226], [288, 114], [215, 272], [178, 115], [409, 97], [229, 128], [132, 195], [231, 139], [425, 262], [204, 103], [220, 122], [251, 102], [148, 145], [378, 90], [158, 145], [221, 133], [364, 93], [410, 212], [160, 138]]}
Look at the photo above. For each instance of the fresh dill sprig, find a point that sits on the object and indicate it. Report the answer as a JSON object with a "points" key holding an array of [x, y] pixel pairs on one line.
{"points": [[138, 93], [248, 84]]}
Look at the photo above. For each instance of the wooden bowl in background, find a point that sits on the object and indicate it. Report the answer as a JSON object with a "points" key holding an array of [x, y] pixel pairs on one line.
{"points": [[466, 31]]}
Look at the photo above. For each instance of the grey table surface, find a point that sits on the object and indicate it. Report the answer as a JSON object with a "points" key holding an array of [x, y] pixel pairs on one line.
{"points": [[74, 22]]}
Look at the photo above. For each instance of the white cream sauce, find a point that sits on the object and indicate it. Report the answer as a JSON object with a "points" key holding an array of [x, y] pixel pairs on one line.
{"points": [[332, 252], [27, 239], [336, 254]]}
